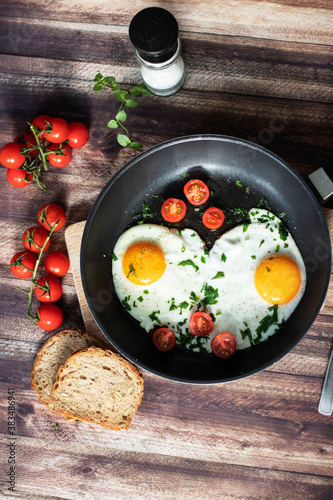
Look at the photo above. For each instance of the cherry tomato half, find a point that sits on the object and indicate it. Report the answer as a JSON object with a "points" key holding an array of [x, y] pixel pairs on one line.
{"points": [[48, 215], [23, 263], [164, 339], [18, 178], [58, 159], [78, 135], [50, 316], [48, 289], [10, 155], [33, 239], [59, 132], [196, 191], [201, 324], [40, 122], [173, 210], [56, 263], [213, 218], [223, 345]]}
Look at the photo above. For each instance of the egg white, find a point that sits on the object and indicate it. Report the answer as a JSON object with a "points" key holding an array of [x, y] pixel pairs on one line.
{"points": [[220, 282]]}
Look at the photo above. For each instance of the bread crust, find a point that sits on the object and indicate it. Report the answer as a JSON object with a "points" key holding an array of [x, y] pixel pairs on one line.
{"points": [[97, 352]]}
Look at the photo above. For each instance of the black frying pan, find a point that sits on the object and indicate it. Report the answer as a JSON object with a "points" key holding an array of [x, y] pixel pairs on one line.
{"points": [[221, 162]]}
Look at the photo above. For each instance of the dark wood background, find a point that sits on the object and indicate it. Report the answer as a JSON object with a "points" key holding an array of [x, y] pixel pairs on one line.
{"points": [[261, 71]]}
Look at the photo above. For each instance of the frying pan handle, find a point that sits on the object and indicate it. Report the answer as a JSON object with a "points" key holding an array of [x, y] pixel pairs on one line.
{"points": [[321, 182]]}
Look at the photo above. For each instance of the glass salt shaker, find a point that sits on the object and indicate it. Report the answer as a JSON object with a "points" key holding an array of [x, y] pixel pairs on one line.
{"points": [[154, 35]]}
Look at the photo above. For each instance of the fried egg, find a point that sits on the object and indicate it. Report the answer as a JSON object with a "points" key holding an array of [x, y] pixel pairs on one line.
{"points": [[250, 282]]}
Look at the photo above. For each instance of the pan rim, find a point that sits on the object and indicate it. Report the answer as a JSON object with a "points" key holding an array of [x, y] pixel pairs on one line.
{"points": [[159, 147]]}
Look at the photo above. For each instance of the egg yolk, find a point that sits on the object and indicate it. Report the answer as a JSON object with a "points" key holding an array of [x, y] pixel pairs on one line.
{"points": [[144, 263], [278, 279]]}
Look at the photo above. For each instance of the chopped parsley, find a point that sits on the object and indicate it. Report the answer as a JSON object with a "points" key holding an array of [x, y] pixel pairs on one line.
{"points": [[153, 316], [253, 257], [262, 241], [239, 184], [245, 226], [146, 210], [146, 292], [263, 203], [219, 274], [210, 295], [223, 257], [203, 260], [126, 304], [283, 231], [188, 262], [140, 299], [131, 270], [114, 257], [184, 175], [267, 321]]}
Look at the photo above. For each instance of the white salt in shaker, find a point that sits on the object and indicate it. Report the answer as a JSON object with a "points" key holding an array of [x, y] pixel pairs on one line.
{"points": [[154, 34]]}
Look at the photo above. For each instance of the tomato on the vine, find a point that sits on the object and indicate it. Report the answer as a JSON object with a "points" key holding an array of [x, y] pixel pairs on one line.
{"points": [[48, 215], [11, 156], [41, 122], [201, 324], [78, 135], [58, 159], [56, 263], [34, 238], [223, 345], [164, 339], [27, 141], [59, 132], [173, 210], [18, 178], [50, 316], [23, 264], [48, 289]]}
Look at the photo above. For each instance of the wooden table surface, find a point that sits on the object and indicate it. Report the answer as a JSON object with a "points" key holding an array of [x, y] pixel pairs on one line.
{"points": [[258, 70]]}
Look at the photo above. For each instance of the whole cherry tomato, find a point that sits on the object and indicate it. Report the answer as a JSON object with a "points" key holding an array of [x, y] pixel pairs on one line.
{"points": [[48, 215], [41, 122], [27, 141], [58, 159], [11, 156], [164, 339], [223, 345], [56, 263], [78, 135], [33, 239], [50, 316], [48, 289], [23, 264], [59, 132], [18, 178]]}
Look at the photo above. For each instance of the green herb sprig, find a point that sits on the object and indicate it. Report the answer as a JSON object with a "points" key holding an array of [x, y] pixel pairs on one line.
{"points": [[126, 99]]}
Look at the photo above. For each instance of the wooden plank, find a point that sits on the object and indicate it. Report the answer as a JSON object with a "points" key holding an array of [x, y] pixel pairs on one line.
{"points": [[279, 19]]}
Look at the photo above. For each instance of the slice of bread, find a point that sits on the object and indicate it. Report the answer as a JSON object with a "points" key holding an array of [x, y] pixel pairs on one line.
{"points": [[54, 354], [99, 386]]}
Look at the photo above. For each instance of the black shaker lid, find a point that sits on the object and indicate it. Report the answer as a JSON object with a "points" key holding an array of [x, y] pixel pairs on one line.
{"points": [[154, 34]]}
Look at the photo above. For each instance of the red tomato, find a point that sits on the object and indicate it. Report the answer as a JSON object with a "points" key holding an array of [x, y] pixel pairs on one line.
{"points": [[10, 155], [213, 218], [48, 289], [223, 345], [50, 316], [27, 141], [33, 239], [201, 324], [196, 192], [57, 159], [49, 214], [56, 263], [78, 135], [23, 263], [164, 339], [40, 122], [18, 178], [59, 132], [173, 210]]}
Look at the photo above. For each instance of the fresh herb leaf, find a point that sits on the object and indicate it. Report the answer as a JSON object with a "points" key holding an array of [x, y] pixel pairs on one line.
{"points": [[283, 231], [153, 316], [114, 257], [239, 184], [210, 295], [219, 274], [188, 262], [223, 257], [267, 321], [126, 304]]}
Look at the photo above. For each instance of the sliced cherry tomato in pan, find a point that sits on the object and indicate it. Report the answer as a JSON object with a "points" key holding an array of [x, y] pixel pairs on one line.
{"points": [[213, 218], [201, 324], [223, 345], [196, 191], [173, 210], [164, 339]]}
